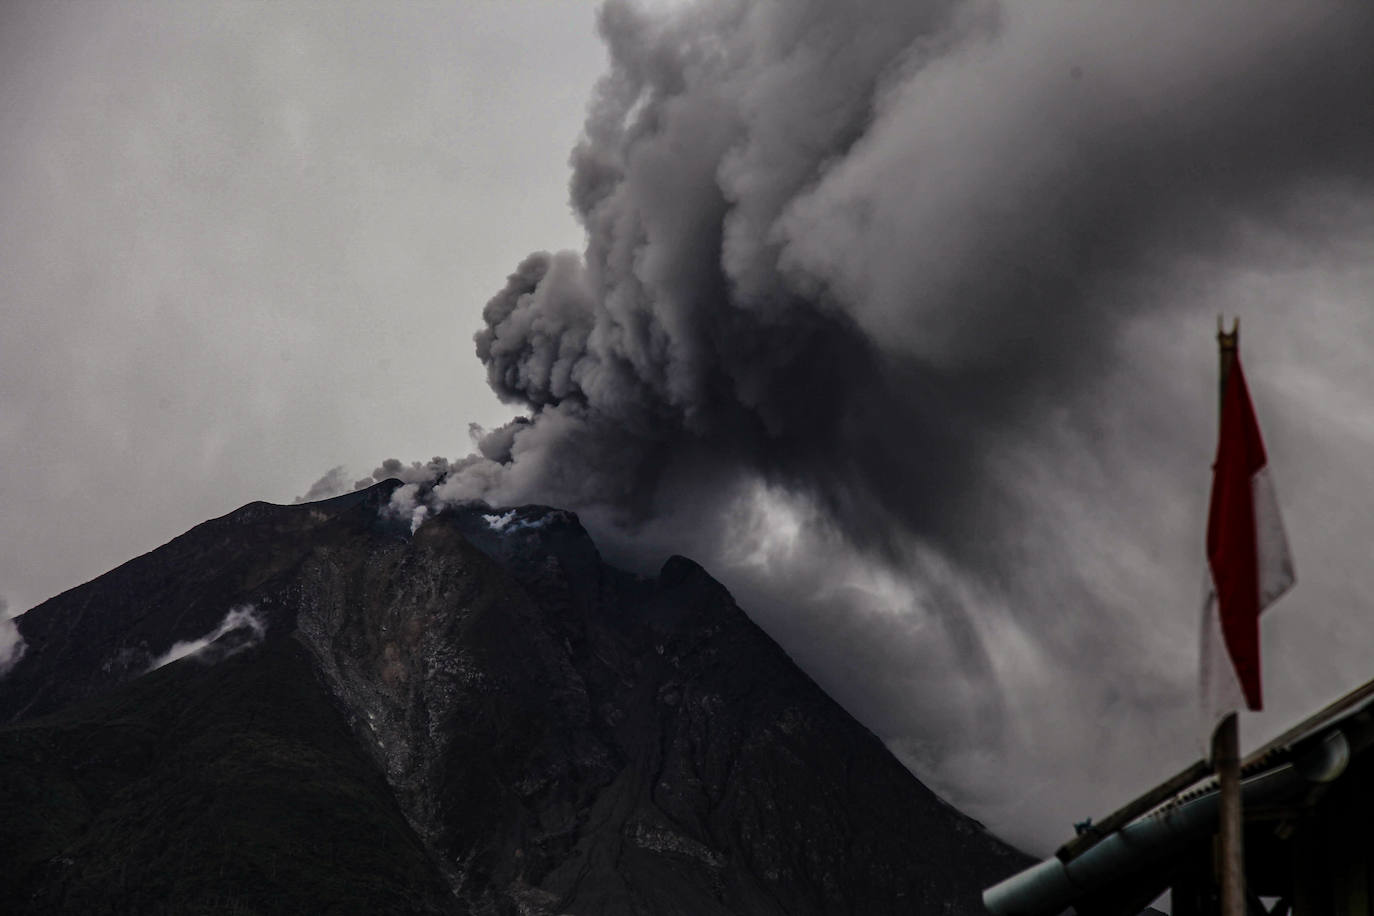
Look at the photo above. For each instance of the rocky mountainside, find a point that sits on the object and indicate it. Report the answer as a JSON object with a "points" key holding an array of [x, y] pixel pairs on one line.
{"points": [[311, 709]]}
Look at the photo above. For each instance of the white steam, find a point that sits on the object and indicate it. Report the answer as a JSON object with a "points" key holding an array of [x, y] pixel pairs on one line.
{"points": [[243, 624], [11, 643], [499, 522], [507, 523]]}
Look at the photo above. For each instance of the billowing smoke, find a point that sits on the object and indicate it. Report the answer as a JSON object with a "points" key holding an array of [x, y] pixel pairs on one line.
{"points": [[334, 482], [242, 628], [898, 316], [11, 643]]}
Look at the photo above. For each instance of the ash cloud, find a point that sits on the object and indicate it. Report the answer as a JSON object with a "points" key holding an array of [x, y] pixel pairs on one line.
{"points": [[334, 482], [880, 317], [854, 253]]}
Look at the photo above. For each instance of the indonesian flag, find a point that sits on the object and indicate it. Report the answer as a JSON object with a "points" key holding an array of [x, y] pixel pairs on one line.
{"points": [[1247, 555]]}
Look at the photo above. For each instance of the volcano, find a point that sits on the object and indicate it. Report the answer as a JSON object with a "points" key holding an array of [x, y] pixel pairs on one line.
{"points": [[311, 708]]}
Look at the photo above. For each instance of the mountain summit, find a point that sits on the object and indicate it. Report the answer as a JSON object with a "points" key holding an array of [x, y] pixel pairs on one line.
{"points": [[312, 709]]}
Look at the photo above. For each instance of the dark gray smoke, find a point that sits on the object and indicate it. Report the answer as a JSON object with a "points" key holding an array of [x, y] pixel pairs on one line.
{"points": [[898, 316], [334, 481], [849, 251]]}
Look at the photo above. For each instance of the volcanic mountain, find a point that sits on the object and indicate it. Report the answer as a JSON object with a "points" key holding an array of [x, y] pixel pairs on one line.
{"points": [[313, 709]]}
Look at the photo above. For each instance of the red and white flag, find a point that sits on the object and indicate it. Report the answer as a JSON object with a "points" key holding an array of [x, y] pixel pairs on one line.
{"points": [[1247, 555]]}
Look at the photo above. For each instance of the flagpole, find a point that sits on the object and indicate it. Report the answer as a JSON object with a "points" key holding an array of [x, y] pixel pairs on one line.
{"points": [[1226, 738]]}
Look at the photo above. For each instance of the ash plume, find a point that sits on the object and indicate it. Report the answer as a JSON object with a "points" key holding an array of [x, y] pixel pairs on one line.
{"points": [[851, 254], [879, 317], [333, 482]]}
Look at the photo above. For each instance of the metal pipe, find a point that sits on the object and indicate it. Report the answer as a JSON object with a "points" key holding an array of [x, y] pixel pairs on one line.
{"points": [[1049, 887]]}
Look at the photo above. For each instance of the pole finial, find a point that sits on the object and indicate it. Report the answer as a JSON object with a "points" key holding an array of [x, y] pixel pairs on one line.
{"points": [[1228, 346], [1228, 341]]}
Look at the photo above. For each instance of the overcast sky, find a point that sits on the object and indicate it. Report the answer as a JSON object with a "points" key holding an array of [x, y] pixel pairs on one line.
{"points": [[903, 322], [243, 243]]}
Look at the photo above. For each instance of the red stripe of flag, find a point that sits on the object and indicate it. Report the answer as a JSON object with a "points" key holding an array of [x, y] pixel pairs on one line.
{"points": [[1233, 549]]}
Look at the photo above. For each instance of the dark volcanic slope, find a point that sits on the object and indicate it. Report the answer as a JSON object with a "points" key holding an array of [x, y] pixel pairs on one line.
{"points": [[234, 788], [481, 717]]}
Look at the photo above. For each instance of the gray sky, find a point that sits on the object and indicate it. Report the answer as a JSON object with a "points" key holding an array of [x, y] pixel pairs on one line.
{"points": [[902, 322], [242, 243]]}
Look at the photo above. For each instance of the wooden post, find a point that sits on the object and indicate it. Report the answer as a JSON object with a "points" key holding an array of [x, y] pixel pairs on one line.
{"points": [[1226, 738]]}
